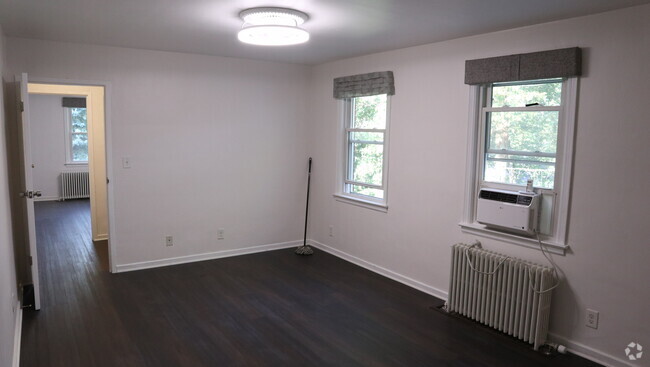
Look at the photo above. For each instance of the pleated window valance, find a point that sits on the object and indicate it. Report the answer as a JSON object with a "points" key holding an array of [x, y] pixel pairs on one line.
{"points": [[559, 63], [362, 85], [75, 102]]}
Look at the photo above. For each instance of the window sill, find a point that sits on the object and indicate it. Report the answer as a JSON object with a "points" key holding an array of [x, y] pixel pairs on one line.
{"points": [[369, 204], [480, 230], [75, 164]]}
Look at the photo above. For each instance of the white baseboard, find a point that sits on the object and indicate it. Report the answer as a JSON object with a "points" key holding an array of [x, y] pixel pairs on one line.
{"points": [[206, 256], [589, 353], [381, 270], [18, 332], [47, 198]]}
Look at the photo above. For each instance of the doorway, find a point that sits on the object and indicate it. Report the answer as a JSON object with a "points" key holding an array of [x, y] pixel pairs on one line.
{"points": [[75, 141], [85, 147]]}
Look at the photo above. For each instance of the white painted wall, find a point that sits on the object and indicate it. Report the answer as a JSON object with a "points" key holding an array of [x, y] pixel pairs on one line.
{"points": [[8, 289], [214, 143], [607, 267], [47, 122]]}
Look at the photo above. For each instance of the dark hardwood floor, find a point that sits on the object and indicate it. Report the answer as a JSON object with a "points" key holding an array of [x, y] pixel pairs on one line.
{"points": [[267, 309]]}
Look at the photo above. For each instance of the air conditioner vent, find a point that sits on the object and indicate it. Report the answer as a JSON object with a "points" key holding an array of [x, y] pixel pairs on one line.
{"points": [[499, 196]]}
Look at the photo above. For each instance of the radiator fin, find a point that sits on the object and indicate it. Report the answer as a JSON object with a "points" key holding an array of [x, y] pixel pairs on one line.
{"points": [[503, 300]]}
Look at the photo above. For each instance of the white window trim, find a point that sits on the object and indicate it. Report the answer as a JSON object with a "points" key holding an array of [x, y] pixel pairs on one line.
{"points": [[341, 177], [556, 243], [68, 142]]}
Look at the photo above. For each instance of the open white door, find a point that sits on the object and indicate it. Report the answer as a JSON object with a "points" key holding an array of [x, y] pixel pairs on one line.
{"points": [[28, 192]]}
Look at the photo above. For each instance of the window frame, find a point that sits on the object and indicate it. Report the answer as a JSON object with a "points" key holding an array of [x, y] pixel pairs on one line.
{"points": [[555, 240], [67, 113], [343, 191]]}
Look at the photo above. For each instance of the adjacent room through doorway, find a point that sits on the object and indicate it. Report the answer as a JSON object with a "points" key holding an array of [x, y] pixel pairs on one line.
{"points": [[67, 149]]}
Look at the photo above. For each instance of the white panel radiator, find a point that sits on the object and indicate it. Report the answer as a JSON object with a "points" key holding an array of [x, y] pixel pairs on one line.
{"points": [[75, 185], [504, 300]]}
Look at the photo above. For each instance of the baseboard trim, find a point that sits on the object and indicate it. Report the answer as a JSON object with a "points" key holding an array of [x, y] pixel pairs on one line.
{"points": [[381, 270], [205, 256], [47, 198], [589, 353], [101, 237], [18, 332]]}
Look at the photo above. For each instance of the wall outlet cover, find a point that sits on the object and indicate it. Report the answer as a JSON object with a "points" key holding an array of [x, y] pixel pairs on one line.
{"points": [[592, 319]]}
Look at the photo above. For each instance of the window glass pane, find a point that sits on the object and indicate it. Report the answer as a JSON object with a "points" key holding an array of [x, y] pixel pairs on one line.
{"points": [[367, 163], [369, 112], [525, 131], [546, 94], [517, 169], [366, 136], [78, 120], [79, 147], [375, 193]]}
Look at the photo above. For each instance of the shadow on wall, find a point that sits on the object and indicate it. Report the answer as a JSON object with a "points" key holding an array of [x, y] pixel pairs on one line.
{"points": [[563, 319]]}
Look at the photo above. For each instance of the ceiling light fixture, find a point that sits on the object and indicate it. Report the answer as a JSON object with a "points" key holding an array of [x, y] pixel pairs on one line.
{"points": [[273, 27]]}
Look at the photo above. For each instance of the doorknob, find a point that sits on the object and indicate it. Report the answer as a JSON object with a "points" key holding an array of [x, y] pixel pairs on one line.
{"points": [[26, 194], [30, 194]]}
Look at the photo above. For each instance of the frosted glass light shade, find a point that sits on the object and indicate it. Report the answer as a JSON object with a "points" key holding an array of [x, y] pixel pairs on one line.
{"points": [[272, 27], [273, 35]]}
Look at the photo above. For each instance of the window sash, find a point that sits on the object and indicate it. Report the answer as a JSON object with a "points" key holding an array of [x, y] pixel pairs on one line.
{"points": [[522, 109], [69, 137], [348, 180], [486, 109], [520, 152]]}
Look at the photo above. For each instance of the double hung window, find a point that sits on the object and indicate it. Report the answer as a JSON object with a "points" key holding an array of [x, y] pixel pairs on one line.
{"points": [[366, 137], [76, 135]]}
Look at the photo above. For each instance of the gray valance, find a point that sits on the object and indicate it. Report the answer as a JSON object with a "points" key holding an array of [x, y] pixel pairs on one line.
{"points": [[75, 102], [560, 63], [362, 85]]}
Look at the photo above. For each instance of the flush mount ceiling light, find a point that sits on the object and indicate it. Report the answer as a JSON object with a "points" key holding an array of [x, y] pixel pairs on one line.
{"points": [[273, 27]]}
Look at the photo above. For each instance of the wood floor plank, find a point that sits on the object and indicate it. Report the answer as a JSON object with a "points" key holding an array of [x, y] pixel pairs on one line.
{"points": [[267, 309]]}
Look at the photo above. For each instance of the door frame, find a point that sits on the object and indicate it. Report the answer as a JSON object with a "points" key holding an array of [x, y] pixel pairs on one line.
{"points": [[108, 146]]}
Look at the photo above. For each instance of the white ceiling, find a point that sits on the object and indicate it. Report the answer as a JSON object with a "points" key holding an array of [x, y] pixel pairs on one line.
{"points": [[339, 28]]}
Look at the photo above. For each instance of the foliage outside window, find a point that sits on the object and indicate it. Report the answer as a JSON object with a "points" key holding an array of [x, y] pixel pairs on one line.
{"points": [[521, 132], [366, 129], [77, 135]]}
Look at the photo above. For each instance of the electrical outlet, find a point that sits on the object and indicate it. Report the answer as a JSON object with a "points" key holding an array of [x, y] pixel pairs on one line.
{"points": [[331, 231], [592, 319], [169, 241], [221, 233]]}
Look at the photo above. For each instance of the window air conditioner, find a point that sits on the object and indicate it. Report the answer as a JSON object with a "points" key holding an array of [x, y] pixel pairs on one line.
{"points": [[508, 210]]}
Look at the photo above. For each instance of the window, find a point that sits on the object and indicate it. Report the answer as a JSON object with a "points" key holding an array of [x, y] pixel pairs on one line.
{"points": [[521, 133], [523, 130], [366, 143], [76, 135]]}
